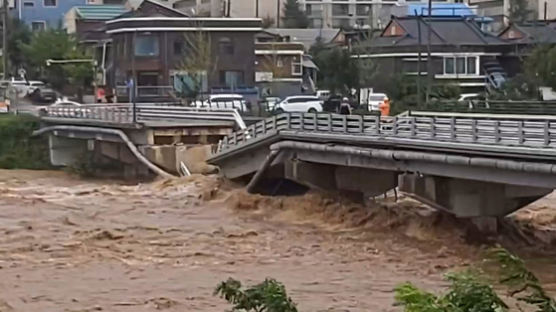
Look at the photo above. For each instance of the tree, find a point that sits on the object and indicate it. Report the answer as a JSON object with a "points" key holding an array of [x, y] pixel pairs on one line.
{"points": [[268, 296], [58, 45], [267, 21], [197, 63], [469, 291], [44, 45], [519, 11], [540, 66], [338, 71], [293, 16]]}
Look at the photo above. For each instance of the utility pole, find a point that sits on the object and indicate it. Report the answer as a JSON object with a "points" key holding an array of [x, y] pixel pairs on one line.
{"points": [[429, 58], [420, 42], [256, 8], [5, 56], [278, 13]]}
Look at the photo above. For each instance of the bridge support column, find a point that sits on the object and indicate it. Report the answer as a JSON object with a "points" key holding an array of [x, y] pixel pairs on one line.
{"points": [[470, 198], [353, 180], [66, 151]]}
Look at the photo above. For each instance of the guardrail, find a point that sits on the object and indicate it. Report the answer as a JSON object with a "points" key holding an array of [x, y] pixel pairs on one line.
{"points": [[123, 113], [456, 130], [493, 107]]}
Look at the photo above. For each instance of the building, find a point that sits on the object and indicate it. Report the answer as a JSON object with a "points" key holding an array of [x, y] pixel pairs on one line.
{"points": [[42, 14], [150, 46], [307, 36], [268, 10], [283, 69], [462, 53], [85, 19], [353, 13]]}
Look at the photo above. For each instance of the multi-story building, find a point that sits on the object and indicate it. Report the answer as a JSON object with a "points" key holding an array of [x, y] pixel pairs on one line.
{"points": [[151, 44], [354, 13], [42, 14], [269, 10]]}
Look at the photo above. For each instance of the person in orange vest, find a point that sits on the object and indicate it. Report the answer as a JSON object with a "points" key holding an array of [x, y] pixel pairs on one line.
{"points": [[384, 107], [101, 95]]}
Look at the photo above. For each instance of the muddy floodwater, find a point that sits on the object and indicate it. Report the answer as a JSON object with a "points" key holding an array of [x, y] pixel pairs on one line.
{"points": [[68, 244]]}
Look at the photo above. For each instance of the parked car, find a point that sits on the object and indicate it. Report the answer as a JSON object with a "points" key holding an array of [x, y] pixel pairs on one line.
{"points": [[236, 101], [65, 108], [32, 85], [299, 103], [16, 84], [43, 94], [375, 100], [332, 104], [323, 94], [271, 101]]}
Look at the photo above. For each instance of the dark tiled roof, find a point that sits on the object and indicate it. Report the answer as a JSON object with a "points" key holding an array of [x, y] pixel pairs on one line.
{"points": [[444, 32], [535, 33]]}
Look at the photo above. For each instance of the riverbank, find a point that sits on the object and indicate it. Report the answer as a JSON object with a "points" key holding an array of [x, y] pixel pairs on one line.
{"points": [[18, 149], [70, 244]]}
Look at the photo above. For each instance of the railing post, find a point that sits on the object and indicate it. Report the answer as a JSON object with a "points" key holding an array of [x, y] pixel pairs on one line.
{"points": [[474, 130], [413, 120], [302, 122], [395, 126], [288, 120], [315, 122], [344, 123], [433, 127], [452, 129], [546, 132], [360, 123], [521, 132], [497, 131], [329, 120], [274, 121]]}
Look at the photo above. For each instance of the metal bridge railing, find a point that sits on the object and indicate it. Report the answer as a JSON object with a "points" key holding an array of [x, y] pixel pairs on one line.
{"points": [[123, 113], [458, 130]]}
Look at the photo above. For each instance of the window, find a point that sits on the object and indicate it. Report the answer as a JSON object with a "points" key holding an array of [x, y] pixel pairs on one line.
{"points": [[38, 26], [460, 65], [472, 65], [340, 9], [464, 65], [50, 3], [28, 4], [146, 46], [297, 68], [231, 78], [226, 46]]}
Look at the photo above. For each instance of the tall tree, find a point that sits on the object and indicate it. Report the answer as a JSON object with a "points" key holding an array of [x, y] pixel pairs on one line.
{"points": [[293, 16], [58, 45], [19, 34], [520, 11], [540, 66], [197, 63]]}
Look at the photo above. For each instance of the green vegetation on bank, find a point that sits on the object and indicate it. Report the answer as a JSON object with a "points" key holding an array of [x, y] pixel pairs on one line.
{"points": [[18, 150], [468, 291]]}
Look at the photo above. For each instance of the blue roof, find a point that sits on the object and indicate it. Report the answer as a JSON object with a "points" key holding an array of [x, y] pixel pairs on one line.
{"points": [[441, 9], [100, 12]]}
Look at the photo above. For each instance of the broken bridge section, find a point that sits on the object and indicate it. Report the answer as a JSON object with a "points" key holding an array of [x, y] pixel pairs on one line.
{"points": [[467, 166]]}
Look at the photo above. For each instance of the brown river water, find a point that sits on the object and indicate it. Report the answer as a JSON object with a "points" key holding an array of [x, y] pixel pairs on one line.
{"points": [[68, 244]]}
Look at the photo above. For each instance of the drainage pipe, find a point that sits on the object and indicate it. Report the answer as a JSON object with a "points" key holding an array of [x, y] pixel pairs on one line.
{"points": [[410, 155], [276, 148], [117, 132]]}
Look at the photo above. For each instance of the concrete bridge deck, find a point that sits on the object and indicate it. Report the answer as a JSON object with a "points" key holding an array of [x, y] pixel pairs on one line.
{"points": [[468, 166]]}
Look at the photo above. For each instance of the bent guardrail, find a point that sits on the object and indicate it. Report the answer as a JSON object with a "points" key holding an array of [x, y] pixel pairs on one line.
{"points": [[456, 130]]}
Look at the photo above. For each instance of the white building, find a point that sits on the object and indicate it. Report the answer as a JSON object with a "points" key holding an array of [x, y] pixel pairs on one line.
{"points": [[265, 9], [349, 13]]}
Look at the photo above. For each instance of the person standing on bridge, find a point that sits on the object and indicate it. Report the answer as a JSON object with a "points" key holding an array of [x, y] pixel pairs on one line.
{"points": [[345, 108]]}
